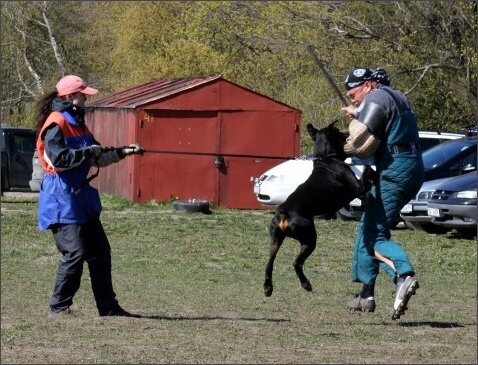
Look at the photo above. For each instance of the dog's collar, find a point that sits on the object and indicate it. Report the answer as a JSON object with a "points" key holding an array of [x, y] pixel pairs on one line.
{"points": [[323, 158]]}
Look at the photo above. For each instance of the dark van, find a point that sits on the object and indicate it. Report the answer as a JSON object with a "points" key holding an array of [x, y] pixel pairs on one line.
{"points": [[17, 148]]}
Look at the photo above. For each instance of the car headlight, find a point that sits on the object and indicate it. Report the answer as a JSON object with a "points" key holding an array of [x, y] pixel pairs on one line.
{"points": [[425, 195], [467, 194], [275, 178]]}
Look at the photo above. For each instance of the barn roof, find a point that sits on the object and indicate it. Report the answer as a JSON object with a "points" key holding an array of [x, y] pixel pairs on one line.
{"points": [[152, 90], [155, 90]]}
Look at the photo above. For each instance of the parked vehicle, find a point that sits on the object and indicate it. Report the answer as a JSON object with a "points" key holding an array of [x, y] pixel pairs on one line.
{"points": [[414, 213], [429, 139], [17, 149], [275, 185], [453, 204], [450, 158], [457, 159]]}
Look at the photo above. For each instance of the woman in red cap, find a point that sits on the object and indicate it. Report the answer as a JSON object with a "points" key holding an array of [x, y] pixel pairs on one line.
{"points": [[68, 205]]}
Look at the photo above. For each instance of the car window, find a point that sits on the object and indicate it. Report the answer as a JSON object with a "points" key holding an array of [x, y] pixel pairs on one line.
{"points": [[467, 163], [426, 143], [24, 143], [442, 153]]}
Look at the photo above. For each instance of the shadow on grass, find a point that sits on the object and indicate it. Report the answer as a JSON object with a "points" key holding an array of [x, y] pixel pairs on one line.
{"points": [[467, 234], [206, 318], [431, 324]]}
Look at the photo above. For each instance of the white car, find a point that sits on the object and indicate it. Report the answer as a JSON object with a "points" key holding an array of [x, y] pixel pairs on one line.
{"points": [[275, 185]]}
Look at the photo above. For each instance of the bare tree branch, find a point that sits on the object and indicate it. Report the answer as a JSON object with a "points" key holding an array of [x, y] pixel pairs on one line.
{"points": [[34, 74], [425, 70], [53, 43]]}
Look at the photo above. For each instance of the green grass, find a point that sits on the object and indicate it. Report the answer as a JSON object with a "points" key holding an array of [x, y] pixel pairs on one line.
{"points": [[197, 280]]}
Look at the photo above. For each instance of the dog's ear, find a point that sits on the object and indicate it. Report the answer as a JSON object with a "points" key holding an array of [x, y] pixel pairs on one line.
{"points": [[331, 125], [312, 131]]}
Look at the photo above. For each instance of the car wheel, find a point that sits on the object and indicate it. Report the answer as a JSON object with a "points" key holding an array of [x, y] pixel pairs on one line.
{"points": [[191, 206], [342, 217], [466, 233], [4, 182], [327, 216], [395, 223]]}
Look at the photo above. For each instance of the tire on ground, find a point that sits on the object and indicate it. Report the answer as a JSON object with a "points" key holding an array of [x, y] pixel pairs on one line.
{"points": [[191, 206]]}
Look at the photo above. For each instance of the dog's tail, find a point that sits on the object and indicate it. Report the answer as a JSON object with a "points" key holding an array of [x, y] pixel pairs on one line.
{"points": [[283, 220]]}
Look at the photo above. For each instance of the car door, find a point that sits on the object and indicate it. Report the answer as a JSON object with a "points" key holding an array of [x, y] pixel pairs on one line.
{"points": [[21, 151]]}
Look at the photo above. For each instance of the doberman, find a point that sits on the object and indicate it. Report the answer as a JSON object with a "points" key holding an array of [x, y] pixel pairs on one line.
{"points": [[331, 185]]}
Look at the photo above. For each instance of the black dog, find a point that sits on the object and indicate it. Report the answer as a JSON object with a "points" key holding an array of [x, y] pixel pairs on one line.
{"points": [[331, 185]]}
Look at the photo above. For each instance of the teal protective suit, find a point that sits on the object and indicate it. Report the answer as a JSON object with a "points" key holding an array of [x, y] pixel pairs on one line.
{"points": [[399, 163]]}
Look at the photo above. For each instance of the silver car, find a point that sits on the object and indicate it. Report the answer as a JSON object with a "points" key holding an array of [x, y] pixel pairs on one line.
{"points": [[414, 213], [453, 204]]}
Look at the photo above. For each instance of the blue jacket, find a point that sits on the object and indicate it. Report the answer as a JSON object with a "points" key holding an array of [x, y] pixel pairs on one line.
{"points": [[64, 155]]}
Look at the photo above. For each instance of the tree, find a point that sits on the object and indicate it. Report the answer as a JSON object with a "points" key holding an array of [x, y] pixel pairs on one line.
{"points": [[145, 40], [428, 47], [35, 52]]}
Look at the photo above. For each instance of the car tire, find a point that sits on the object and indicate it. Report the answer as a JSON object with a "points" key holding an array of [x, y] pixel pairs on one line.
{"points": [[326, 217], [433, 228], [466, 233], [4, 181], [426, 227], [342, 217], [395, 223], [192, 206]]}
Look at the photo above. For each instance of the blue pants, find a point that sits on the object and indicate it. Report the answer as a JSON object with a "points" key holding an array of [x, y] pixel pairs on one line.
{"points": [[399, 183], [77, 244]]}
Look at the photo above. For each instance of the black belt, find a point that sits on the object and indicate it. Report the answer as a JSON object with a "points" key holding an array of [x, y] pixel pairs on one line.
{"points": [[408, 147]]}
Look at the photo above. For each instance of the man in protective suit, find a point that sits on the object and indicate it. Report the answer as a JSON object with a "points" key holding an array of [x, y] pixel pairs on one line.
{"points": [[383, 126]]}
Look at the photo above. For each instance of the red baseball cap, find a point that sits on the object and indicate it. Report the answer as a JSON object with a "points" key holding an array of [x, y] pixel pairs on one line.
{"points": [[71, 84]]}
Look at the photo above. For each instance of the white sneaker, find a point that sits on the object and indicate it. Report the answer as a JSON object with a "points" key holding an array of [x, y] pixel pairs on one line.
{"points": [[403, 295]]}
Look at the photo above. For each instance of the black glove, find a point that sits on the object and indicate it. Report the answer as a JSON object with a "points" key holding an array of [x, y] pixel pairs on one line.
{"points": [[133, 149], [95, 150]]}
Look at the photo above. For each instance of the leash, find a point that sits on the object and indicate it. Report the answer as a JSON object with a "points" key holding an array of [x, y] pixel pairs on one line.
{"points": [[218, 154], [87, 180]]}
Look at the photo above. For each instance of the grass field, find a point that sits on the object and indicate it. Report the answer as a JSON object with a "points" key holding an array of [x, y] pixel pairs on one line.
{"points": [[197, 281]]}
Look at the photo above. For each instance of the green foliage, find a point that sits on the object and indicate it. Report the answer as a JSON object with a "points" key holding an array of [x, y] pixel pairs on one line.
{"points": [[146, 40], [428, 48]]}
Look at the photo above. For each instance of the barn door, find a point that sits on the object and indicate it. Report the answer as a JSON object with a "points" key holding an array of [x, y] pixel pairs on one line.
{"points": [[255, 134], [181, 167]]}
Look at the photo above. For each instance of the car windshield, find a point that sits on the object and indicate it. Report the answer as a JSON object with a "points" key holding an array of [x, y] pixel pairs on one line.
{"points": [[441, 153]]}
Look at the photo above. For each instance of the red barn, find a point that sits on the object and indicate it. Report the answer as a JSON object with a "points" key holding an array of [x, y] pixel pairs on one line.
{"points": [[205, 136]]}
